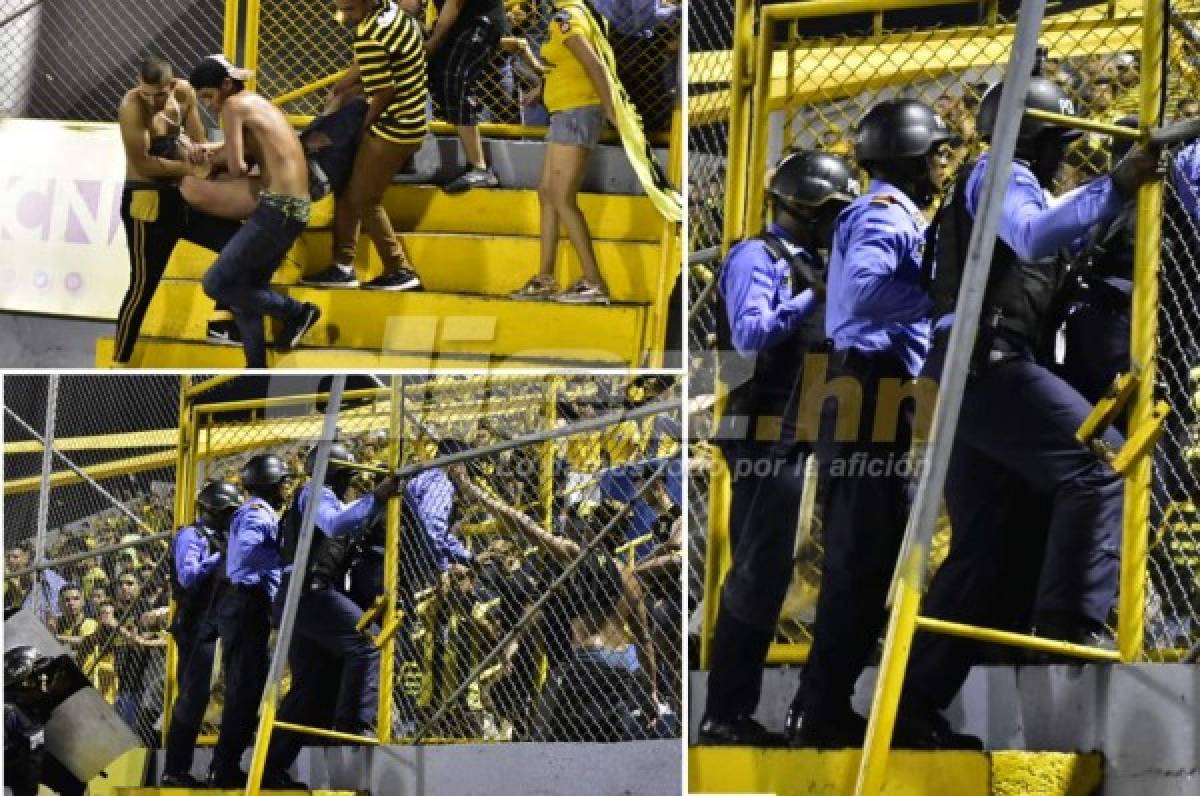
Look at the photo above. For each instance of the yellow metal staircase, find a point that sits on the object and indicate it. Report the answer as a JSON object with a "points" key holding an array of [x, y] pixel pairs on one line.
{"points": [[471, 251]]}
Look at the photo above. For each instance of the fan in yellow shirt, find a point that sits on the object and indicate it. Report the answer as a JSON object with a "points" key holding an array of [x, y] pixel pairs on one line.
{"points": [[577, 93]]}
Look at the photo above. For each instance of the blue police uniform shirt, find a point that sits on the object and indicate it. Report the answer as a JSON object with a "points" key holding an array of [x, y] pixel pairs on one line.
{"points": [[1185, 178], [335, 518], [757, 289], [874, 301], [254, 553], [193, 561], [1033, 226], [432, 497]]}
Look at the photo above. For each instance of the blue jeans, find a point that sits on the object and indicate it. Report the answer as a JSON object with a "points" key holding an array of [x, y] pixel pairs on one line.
{"points": [[241, 277]]}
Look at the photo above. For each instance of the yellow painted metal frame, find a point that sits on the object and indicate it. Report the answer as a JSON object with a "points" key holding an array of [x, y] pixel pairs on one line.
{"points": [[905, 618], [744, 217]]}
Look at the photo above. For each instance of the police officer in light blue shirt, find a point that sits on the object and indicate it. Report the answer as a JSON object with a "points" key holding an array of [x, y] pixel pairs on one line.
{"points": [[770, 318], [334, 665], [255, 567], [1036, 515], [197, 580], [877, 319]]}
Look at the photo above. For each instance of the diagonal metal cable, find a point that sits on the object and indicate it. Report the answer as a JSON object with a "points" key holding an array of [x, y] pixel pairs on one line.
{"points": [[80, 472]]}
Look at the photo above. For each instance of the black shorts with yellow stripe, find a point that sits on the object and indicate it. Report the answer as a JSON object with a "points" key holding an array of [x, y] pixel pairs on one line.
{"points": [[156, 218]]}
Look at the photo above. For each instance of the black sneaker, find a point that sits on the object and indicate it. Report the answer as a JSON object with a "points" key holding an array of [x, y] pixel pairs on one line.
{"points": [[224, 333], [472, 178], [184, 780], [295, 328], [333, 276], [400, 279]]}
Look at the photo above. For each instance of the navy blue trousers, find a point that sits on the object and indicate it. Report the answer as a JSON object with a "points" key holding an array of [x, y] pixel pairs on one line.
{"points": [[335, 674], [244, 622], [241, 277], [866, 501], [196, 647], [1029, 506], [766, 484]]}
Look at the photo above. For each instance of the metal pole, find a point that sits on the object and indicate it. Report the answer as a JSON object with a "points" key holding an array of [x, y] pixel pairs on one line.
{"points": [[584, 426], [43, 511], [87, 479], [283, 639], [910, 568]]}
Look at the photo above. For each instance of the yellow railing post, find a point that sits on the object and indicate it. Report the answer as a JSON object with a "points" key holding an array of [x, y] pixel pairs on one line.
{"points": [[251, 39], [741, 80], [1136, 521], [549, 449], [229, 39], [180, 511], [897, 642], [716, 552], [391, 567], [760, 125]]}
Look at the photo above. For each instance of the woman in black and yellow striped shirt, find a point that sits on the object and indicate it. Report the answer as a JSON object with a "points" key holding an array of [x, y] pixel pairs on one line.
{"points": [[389, 61]]}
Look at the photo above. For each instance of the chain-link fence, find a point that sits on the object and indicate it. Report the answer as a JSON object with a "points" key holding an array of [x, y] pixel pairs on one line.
{"points": [[815, 80], [709, 77], [102, 583], [71, 60], [1173, 607], [299, 46], [511, 617]]}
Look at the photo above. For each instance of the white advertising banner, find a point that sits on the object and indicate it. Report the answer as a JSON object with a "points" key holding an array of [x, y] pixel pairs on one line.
{"points": [[62, 245]]}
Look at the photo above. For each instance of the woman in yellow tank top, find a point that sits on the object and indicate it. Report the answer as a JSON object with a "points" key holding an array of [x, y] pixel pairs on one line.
{"points": [[576, 92]]}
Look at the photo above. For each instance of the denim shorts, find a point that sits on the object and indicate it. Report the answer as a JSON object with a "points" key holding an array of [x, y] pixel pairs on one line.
{"points": [[577, 126]]}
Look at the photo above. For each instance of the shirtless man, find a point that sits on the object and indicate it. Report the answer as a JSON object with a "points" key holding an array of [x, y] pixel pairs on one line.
{"points": [[163, 138], [256, 130]]}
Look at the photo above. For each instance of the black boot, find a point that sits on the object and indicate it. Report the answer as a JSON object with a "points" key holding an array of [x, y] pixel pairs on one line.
{"points": [[743, 731], [925, 728], [825, 729]]}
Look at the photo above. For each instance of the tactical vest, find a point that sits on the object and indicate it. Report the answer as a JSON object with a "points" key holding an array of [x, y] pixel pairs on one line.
{"points": [[761, 383], [191, 604], [1019, 298], [328, 557]]}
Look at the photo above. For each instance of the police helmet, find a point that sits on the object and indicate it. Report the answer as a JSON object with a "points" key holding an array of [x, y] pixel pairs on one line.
{"points": [[900, 128], [336, 451], [23, 662], [1043, 95], [810, 179], [265, 469], [219, 496]]}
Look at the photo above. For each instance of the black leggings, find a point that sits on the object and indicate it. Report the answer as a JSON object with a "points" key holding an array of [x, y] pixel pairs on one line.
{"points": [[455, 69], [151, 238]]}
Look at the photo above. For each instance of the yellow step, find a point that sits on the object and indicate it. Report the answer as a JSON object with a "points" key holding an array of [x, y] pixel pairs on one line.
{"points": [[791, 772], [497, 211], [425, 323], [150, 791], [167, 354], [481, 264]]}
